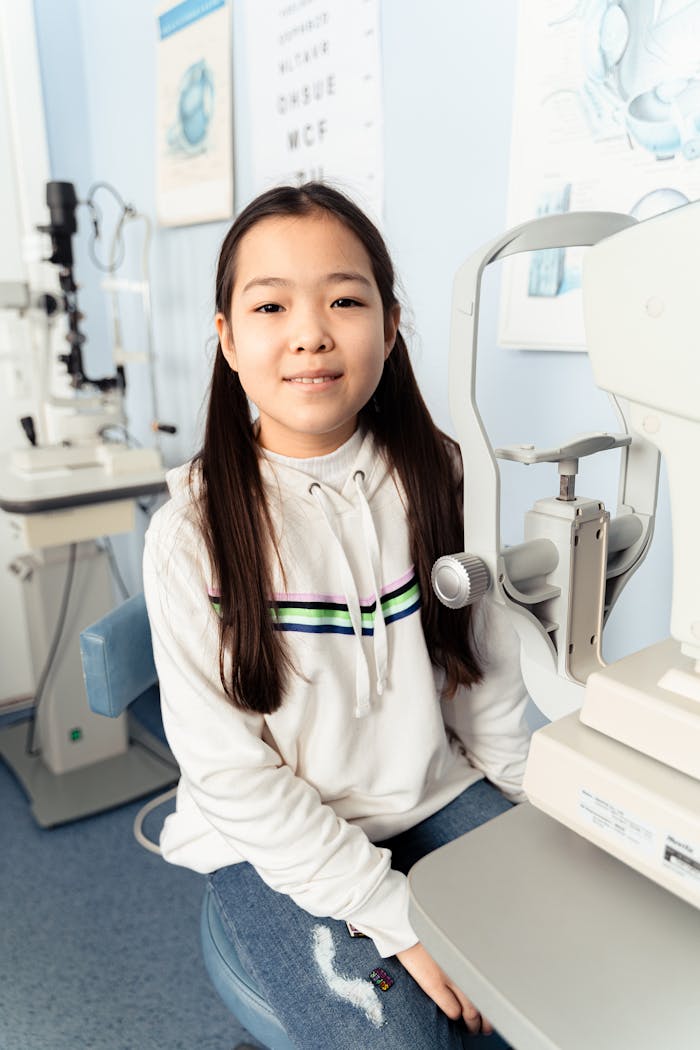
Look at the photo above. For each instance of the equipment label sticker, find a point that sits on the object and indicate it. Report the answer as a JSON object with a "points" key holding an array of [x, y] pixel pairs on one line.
{"points": [[683, 858], [616, 821]]}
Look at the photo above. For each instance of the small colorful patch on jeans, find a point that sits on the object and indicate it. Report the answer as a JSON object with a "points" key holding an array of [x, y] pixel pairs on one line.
{"points": [[381, 978], [353, 930]]}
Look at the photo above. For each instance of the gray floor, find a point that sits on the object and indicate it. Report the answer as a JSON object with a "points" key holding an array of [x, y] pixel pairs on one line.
{"points": [[99, 940]]}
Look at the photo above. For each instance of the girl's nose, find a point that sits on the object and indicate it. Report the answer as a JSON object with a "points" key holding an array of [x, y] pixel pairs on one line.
{"points": [[310, 346], [311, 336]]}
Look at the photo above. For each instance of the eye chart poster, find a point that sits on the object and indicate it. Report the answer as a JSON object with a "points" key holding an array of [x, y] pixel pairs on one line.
{"points": [[606, 118], [194, 122], [315, 94]]}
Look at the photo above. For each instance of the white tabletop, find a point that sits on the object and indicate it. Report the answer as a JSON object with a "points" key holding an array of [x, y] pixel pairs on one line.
{"points": [[36, 492], [559, 944]]}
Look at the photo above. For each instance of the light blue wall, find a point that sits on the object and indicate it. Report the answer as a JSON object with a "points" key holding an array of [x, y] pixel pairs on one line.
{"points": [[448, 72]]}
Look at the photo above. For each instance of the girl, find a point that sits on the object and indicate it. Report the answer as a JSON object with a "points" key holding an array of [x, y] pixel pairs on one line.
{"points": [[332, 721]]}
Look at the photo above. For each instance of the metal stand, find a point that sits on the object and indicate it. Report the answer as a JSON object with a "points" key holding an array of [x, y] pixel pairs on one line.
{"points": [[85, 763], [57, 798]]}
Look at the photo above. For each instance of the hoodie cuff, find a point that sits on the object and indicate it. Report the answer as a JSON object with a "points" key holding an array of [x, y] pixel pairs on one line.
{"points": [[384, 917]]}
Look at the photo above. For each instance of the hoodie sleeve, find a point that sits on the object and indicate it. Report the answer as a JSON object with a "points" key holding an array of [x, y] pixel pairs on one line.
{"points": [[234, 780], [489, 718]]}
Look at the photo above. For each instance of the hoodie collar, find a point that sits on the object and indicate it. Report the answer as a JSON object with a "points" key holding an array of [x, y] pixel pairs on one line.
{"points": [[289, 476], [331, 470]]}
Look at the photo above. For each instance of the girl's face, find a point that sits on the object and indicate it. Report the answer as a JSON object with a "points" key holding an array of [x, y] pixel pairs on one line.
{"points": [[307, 332]]}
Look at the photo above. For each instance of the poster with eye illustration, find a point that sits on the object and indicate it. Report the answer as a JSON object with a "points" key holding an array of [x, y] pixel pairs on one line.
{"points": [[606, 118], [194, 120]]}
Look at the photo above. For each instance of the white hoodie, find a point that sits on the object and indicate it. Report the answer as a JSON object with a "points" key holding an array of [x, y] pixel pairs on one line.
{"points": [[358, 750]]}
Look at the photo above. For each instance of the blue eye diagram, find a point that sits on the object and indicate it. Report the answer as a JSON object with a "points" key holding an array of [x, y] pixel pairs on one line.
{"points": [[643, 69], [189, 134], [634, 75]]}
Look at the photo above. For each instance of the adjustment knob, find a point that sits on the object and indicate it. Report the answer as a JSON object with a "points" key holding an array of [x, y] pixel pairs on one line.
{"points": [[460, 579]]}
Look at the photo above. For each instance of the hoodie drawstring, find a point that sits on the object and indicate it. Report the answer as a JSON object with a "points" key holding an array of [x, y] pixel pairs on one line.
{"points": [[362, 678], [369, 533]]}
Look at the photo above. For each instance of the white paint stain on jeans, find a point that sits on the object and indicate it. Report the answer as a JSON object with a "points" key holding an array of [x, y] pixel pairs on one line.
{"points": [[354, 990]]}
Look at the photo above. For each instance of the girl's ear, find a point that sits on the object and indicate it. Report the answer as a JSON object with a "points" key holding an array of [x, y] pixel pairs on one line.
{"points": [[391, 327], [226, 339]]}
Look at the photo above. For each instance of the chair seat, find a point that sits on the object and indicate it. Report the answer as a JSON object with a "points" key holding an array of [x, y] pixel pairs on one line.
{"points": [[234, 984], [120, 672]]}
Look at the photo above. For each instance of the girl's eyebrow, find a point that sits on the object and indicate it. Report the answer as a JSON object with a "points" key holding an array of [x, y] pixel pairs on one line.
{"points": [[267, 282], [340, 277]]}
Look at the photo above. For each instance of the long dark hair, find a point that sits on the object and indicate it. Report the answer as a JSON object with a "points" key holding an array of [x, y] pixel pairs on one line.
{"points": [[254, 664]]}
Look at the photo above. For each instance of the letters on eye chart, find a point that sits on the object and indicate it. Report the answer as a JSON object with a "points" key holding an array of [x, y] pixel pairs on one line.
{"points": [[315, 100]]}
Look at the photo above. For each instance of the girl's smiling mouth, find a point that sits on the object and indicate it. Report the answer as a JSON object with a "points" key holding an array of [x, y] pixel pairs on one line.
{"points": [[314, 380]]}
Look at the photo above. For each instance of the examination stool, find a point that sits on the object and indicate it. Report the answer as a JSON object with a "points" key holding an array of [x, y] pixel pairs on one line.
{"points": [[119, 672]]}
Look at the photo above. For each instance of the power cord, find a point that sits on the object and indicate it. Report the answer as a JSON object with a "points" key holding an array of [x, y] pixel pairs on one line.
{"points": [[139, 835], [114, 567], [127, 211], [142, 840], [128, 438], [55, 642], [148, 506]]}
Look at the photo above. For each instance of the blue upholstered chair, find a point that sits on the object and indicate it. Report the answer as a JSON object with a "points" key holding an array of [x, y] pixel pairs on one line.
{"points": [[119, 672]]}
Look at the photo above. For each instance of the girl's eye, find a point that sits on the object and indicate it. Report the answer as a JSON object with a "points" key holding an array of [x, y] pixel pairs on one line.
{"points": [[344, 303], [268, 308]]}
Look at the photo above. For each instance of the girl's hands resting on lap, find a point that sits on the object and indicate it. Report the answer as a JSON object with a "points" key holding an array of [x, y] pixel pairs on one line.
{"points": [[435, 983]]}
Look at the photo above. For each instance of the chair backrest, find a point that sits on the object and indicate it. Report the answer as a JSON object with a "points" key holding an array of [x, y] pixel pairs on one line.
{"points": [[117, 657]]}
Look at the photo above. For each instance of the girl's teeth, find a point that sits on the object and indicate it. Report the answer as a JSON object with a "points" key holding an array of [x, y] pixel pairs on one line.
{"points": [[316, 379]]}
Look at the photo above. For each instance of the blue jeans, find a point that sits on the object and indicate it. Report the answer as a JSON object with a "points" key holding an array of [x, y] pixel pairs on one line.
{"points": [[279, 945]]}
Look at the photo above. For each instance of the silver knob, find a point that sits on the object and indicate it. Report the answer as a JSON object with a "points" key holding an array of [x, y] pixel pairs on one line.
{"points": [[460, 579]]}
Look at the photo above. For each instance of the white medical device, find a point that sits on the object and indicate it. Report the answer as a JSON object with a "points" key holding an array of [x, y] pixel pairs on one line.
{"points": [[79, 420], [74, 483], [624, 771]]}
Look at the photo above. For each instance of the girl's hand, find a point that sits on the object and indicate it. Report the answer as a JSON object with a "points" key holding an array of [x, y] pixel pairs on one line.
{"points": [[435, 983]]}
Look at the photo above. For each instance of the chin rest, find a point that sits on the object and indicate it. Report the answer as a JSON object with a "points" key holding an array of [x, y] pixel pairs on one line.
{"points": [[120, 673]]}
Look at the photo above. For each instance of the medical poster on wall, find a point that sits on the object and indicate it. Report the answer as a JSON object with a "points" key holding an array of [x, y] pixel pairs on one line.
{"points": [[606, 118], [194, 122], [315, 94]]}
